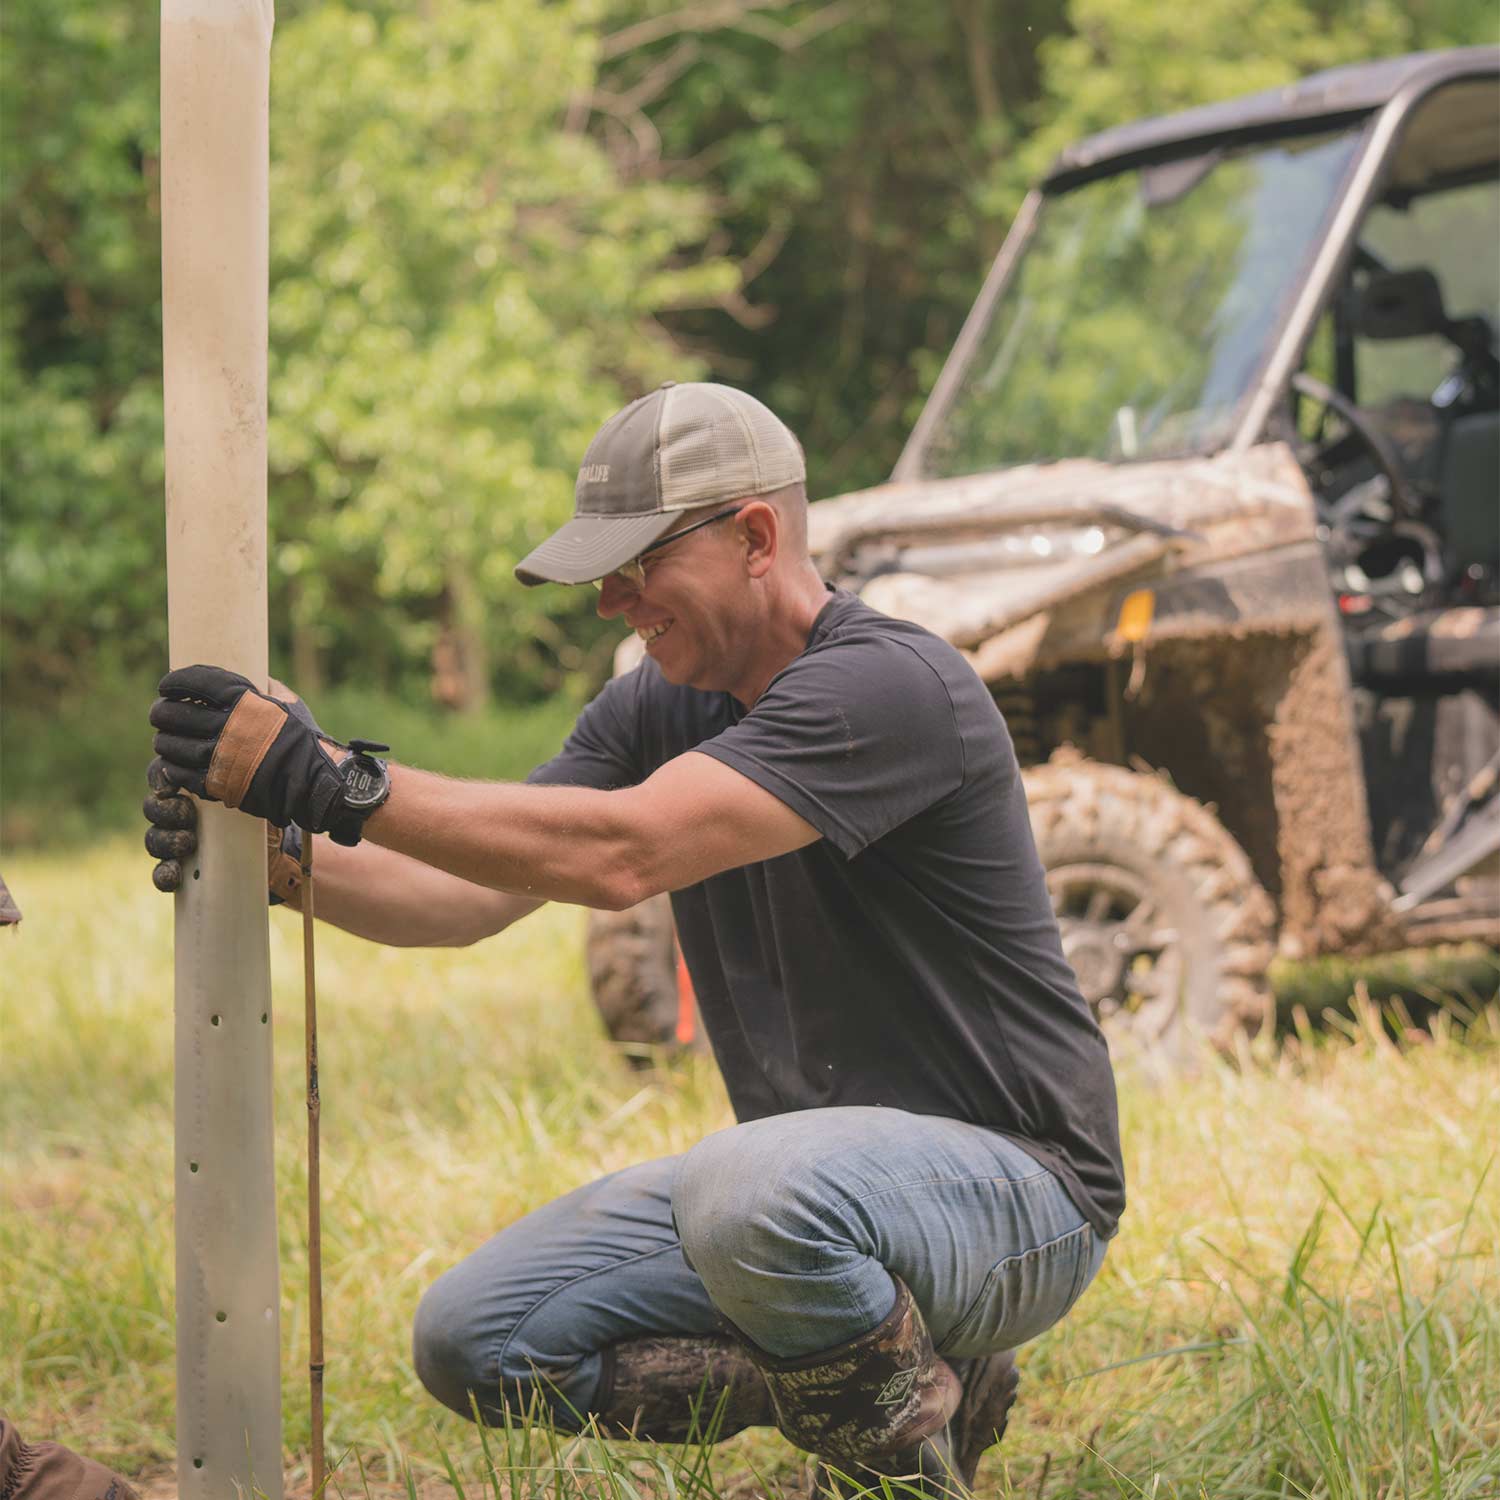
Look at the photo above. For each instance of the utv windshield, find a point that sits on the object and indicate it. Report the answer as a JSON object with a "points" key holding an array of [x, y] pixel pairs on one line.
{"points": [[1141, 309]]}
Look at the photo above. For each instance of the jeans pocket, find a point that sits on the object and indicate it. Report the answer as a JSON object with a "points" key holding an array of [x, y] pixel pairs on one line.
{"points": [[1024, 1295]]}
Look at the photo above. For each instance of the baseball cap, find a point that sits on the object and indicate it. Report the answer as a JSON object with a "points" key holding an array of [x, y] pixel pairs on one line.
{"points": [[681, 447]]}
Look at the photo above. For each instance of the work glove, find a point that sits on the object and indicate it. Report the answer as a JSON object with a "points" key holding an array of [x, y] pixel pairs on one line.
{"points": [[172, 840], [219, 737]]}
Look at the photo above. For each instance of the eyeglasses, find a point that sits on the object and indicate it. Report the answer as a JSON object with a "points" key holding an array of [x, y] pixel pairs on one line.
{"points": [[633, 573]]}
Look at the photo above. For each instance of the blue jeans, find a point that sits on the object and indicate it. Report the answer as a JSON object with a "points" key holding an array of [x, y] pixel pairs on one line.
{"points": [[790, 1227]]}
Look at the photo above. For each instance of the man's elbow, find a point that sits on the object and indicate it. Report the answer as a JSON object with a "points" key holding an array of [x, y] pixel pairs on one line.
{"points": [[624, 871], [620, 886], [619, 866]]}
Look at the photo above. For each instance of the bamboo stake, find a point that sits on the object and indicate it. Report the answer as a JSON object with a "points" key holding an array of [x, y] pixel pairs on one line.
{"points": [[314, 1176]]}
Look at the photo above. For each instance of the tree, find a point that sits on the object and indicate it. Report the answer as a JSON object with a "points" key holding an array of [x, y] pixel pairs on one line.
{"points": [[80, 342], [460, 289]]}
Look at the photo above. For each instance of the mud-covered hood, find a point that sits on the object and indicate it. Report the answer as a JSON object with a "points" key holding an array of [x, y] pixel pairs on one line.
{"points": [[968, 557]]}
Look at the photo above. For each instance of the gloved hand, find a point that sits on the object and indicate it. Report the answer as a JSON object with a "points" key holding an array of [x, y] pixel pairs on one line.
{"points": [[218, 737], [173, 834], [172, 840]]}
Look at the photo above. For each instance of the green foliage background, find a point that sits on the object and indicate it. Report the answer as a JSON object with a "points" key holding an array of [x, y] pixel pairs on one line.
{"points": [[493, 222]]}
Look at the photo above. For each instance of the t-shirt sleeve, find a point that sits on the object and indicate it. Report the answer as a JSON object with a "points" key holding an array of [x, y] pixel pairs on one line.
{"points": [[604, 748], [857, 737]]}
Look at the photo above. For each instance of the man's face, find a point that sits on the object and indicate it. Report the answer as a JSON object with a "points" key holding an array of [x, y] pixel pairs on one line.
{"points": [[689, 607]]}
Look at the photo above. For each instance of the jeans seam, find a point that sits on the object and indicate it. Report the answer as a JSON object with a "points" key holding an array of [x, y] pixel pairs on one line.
{"points": [[994, 1271], [563, 1286], [927, 1182], [1067, 1234]]}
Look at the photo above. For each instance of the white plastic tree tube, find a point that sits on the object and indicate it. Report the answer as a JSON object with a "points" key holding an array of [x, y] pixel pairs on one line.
{"points": [[215, 118]]}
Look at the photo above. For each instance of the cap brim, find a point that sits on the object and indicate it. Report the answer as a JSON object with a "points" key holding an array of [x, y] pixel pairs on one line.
{"points": [[589, 547]]}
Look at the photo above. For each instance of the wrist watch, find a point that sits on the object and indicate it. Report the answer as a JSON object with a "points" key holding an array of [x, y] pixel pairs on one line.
{"points": [[367, 784]]}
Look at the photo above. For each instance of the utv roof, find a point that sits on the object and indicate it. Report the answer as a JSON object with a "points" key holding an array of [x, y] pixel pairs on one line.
{"points": [[1337, 94]]}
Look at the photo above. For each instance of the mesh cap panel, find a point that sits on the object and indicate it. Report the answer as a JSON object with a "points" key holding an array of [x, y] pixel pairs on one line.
{"points": [[719, 444]]}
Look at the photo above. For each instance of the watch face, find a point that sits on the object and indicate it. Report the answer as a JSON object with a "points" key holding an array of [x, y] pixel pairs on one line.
{"points": [[365, 782]]}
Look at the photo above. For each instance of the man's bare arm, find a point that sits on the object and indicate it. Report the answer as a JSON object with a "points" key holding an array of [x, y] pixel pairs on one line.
{"points": [[609, 849], [383, 896], [389, 898]]}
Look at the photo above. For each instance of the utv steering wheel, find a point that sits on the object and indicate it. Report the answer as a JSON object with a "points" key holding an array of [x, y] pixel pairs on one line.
{"points": [[1404, 499], [1405, 503]]}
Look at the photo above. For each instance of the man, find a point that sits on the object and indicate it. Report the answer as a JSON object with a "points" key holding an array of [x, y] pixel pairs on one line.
{"points": [[927, 1165]]}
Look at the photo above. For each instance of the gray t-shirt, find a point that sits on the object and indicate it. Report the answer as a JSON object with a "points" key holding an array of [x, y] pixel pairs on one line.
{"points": [[909, 957]]}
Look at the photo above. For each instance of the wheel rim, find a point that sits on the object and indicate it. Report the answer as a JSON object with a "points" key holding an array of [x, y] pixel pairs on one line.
{"points": [[1121, 946]]}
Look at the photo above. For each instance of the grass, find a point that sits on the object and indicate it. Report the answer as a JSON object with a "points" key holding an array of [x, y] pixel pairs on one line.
{"points": [[1304, 1299]]}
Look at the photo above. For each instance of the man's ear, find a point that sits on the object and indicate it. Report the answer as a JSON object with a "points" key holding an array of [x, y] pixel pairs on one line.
{"points": [[760, 527]]}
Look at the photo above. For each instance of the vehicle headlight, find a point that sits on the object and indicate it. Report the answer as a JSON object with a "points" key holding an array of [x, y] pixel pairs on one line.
{"points": [[1024, 546]]}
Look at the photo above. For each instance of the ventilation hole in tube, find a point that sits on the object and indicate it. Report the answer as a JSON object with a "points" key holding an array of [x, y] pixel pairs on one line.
{"points": [[215, 1020], [221, 1317], [197, 1463], [264, 1017], [192, 1166]]}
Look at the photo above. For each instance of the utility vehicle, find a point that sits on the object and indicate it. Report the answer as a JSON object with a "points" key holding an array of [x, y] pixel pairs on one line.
{"points": [[1209, 492]]}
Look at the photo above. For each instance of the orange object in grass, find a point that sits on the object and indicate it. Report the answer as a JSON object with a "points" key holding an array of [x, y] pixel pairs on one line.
{"points": [[687, 1003]]}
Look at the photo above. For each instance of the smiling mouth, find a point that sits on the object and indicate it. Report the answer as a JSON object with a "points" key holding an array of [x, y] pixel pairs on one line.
{"points": [[649, 633]]}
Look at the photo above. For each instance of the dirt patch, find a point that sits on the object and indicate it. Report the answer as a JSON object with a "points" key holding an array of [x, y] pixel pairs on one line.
{"points": [[1332, 898], [1259, 724], [1203, 697]]}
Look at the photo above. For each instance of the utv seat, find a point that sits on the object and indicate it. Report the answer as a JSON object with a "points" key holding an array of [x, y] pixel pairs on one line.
{"points": [[1471, 492], [1402, 305], [1437, 650]]}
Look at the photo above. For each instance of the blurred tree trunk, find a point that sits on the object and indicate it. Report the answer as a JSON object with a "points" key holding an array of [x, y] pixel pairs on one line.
{"points": [[307, 658], [460, 660]]}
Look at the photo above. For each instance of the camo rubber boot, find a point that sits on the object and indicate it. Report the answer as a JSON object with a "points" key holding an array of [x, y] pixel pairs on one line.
{"points": [[990, 1385], [884, 1392], [926, 1470], [943, 1466], [682, 1388]]}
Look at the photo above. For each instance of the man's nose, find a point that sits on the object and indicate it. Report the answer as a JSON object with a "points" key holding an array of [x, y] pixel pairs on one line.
{"points": [[615, 597]]}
